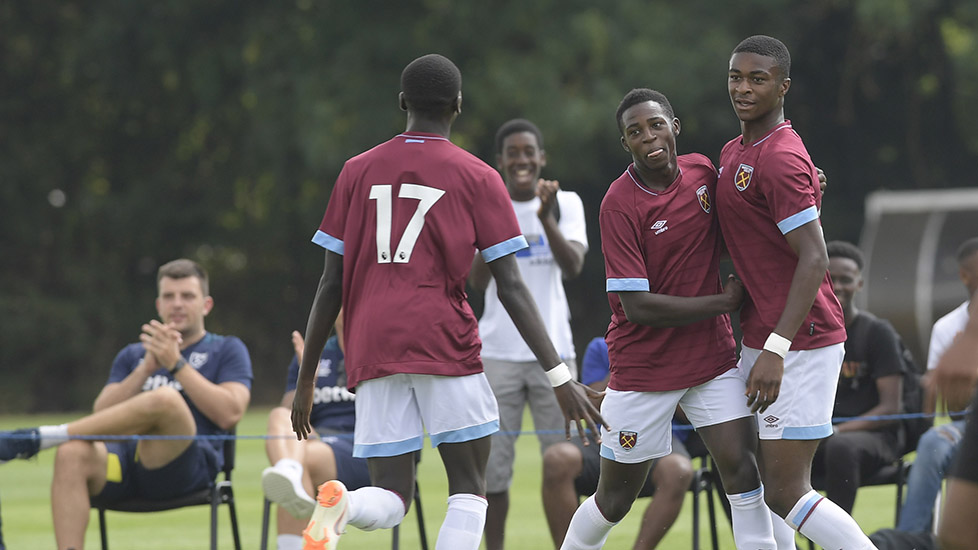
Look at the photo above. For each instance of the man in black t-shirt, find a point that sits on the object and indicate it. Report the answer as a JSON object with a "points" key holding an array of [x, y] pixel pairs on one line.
{"points": [[870, 385]]}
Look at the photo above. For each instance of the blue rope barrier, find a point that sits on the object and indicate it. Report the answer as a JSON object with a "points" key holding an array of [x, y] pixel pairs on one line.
{"points": [[222, 437]]}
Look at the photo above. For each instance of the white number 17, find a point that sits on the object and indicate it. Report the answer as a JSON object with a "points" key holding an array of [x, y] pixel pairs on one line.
{"points": [[427, 196]]}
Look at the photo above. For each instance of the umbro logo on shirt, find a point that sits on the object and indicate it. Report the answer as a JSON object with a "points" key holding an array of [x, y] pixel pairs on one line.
{"points": [[659, 226]]}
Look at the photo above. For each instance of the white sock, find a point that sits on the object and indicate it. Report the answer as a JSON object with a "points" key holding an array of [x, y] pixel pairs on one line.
{"points": [[289, 464], [464, 522], [783, 533], [588, 528], [751, 519], [374, 508], [289, 542], [827, 525], [52, 436]]}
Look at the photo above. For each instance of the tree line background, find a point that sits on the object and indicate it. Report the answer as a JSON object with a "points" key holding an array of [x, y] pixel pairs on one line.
{"points": [[133, 133]]}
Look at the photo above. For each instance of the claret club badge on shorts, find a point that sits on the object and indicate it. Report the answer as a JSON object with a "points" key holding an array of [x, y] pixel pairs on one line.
{"points": [[627, 440]]}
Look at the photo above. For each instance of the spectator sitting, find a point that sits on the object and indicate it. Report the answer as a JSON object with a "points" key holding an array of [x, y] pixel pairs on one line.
{"points": [[870, 385], [955, 377], [301, 466], [179, 381], [570, 470], [938, 446]]}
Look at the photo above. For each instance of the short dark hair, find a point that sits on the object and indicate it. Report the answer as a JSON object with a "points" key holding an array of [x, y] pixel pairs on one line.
{"points": [[967, 249], [515, 126], [770, 47], [844, 249], [641, 95], [431, 84], [181, 269]]}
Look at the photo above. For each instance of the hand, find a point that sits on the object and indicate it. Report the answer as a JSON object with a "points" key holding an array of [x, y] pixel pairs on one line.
{"points": [[299, 344], [574, 399], [764, 383], [735, 291], [822, 181], [301, 409], [163, 342], [547, 192]]}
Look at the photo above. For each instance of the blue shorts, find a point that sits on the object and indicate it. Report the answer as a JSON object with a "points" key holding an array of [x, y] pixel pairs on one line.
{"points": [[127, 478], [350, 470]]}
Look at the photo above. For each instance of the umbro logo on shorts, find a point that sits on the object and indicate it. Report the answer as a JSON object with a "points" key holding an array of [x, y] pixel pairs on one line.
{"points": [[627, 440], [772, 421]]}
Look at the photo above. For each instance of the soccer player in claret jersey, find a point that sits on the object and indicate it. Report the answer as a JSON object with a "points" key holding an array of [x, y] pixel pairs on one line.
{"points": [[670, 341], [400, 230], [768, 201]]}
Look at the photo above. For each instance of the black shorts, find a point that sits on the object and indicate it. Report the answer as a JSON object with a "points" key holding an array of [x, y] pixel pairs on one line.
{"points": [[350, 470], [966, 462], [127, 478], [586, 483]]}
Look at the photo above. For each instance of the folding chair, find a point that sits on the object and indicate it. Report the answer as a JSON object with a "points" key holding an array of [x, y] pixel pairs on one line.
{"points": [[218, 493], [704, 481], [395, 532]]}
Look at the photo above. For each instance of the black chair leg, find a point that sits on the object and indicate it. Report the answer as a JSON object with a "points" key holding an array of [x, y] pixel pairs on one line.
{"points": [[417, 510], [214, 525], [265, 518], [234, 524], [102, 529], [711, 508]]}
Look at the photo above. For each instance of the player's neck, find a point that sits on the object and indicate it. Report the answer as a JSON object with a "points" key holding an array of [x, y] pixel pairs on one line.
{"points": [[657, 180], [440, 126], [754, 130], [850, 314]]}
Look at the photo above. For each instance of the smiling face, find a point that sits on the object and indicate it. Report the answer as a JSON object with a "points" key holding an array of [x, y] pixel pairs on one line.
{"points": [[847, 279], [756, 87], [181, 302], [649, 134], [520, 163]]}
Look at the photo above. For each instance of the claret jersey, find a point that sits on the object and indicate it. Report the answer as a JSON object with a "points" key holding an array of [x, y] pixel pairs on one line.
{"points": [[407, 216], [665, 242], [765, 190]]}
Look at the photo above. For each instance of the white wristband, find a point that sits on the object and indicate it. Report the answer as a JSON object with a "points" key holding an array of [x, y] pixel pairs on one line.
{"points": [[777, 344], [559, 375]]}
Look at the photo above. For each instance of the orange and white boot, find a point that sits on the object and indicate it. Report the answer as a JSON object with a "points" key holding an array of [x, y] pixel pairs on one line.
{"points": [[328, 521]]}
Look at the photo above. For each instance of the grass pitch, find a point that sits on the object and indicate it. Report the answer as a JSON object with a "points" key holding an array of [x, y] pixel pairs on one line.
{"points": [[25, 503]]}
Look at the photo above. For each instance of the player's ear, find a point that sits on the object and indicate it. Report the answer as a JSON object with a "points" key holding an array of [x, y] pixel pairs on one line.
{"points": [[400, 101], [458, 103], [676, 126]]}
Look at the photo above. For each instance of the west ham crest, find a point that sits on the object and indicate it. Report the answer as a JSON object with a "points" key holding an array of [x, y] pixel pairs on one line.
{"points": [[627, 440], [704, 198], [742, 177]]}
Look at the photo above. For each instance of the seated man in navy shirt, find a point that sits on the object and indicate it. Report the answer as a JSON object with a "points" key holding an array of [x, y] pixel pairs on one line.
{"points": [[179, 381], [299, 467]]}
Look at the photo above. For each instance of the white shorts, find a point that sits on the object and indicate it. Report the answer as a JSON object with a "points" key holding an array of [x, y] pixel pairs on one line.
{"points": [[394, 411], [641, 422], [804, 406]]}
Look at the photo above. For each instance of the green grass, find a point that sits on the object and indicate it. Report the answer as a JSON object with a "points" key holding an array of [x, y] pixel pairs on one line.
{"points": [[25, 490]]}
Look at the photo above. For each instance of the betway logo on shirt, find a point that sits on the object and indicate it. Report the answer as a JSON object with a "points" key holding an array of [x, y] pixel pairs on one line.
{"points": [[659, 226], [331, 394]]}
